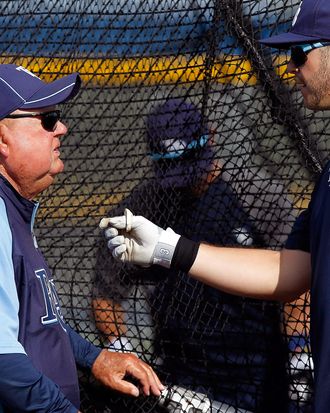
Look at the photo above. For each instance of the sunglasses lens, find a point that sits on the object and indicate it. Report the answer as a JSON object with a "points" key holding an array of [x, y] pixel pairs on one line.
{"points": [[298, 56], [49, 120]]}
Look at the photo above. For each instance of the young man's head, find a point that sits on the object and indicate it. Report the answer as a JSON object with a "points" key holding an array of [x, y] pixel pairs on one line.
{"points": [[30, 127], [309, 43], [179, 139]]}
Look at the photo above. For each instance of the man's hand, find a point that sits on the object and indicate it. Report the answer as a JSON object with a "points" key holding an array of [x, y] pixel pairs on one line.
{"points": [[137, 240], [110, 368]]}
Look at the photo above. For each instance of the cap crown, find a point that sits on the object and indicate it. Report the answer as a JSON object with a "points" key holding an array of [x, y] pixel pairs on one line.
{"points": [[21, 89], [174, 124], [311, 24], [313, 19]]}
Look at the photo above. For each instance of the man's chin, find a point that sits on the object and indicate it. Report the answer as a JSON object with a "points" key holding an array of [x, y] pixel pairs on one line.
{"points": [[59, 167], [312, 105]]}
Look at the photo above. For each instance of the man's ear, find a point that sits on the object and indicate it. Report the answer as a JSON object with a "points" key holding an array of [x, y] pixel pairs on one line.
{"points": [[4, 149]]}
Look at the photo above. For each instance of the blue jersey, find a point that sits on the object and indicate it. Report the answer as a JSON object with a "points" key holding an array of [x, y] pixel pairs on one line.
{"points": [[232, 346], [227, 346], [33, 333], [311, 233]]}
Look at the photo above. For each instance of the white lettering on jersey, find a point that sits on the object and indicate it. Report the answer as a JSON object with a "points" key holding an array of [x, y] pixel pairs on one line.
{"points": [[53, 312]]}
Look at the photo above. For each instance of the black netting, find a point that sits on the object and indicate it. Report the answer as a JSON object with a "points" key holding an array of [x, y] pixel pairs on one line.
{"points": [[242, 184]]}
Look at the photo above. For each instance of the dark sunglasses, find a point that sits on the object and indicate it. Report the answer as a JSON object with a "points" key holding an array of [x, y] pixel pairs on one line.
{"points": [[299, 52], [48, 119]]}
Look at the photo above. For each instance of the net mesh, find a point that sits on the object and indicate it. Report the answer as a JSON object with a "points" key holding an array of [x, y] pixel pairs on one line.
{"points": [[214, 351]]}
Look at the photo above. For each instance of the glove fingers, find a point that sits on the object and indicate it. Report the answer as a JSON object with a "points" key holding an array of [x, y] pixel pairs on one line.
{"points": [[118, 252], [117, 222], [110, 232], [115, 241], [104, 223]]}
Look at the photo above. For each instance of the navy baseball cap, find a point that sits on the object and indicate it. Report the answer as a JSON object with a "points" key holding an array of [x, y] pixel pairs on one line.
{"points": [[178, 135], [311, 24], [174, 128], [21, 89]]}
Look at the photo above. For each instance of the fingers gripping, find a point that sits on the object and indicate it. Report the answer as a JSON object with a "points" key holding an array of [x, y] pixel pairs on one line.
{"points": [[121, 222], [116, 222], [111, 232], [133, 239], [104, 223], [114, 227], [119, 251]]}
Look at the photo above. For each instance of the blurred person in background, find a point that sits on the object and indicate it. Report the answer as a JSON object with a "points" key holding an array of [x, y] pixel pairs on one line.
{"points": [[219, 347]]}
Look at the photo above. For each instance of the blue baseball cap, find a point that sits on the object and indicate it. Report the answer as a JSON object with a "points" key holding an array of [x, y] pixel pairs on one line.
{"points": [[21, 89], [178, 136], [174, 128], [311, 24]]}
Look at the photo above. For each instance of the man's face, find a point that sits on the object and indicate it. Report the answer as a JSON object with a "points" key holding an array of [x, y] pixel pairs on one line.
{"points": [[31, 156], [313, 80]]}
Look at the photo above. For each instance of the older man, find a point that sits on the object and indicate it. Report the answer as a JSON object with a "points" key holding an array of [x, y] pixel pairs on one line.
{"points": [[38, 350]]}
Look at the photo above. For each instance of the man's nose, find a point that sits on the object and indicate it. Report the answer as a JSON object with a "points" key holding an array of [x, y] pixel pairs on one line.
{"points": [[291, 68], [60, 128]]}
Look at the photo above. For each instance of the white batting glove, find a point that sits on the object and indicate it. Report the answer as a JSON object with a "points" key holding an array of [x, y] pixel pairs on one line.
{"points": [[137, 240]]}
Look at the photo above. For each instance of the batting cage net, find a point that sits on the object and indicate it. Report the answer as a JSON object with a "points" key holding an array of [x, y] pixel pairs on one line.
{"points": [[185, 118]]}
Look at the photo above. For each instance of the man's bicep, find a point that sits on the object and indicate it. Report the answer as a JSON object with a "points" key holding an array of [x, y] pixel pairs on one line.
{"points": [[295, 272]]}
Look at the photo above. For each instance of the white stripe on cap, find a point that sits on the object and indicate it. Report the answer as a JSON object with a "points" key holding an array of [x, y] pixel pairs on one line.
{"points": [[49, 96], [15, 91]]}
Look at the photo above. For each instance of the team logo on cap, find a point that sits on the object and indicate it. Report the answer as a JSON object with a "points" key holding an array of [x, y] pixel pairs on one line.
{"points": [[297, 14], [22, 69]]}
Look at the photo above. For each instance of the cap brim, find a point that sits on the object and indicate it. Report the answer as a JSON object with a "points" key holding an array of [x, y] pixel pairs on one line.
{"points": [[50, 94], [285, 40]]}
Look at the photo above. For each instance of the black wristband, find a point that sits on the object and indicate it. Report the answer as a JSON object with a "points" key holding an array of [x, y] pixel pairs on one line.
{"points": [[184, 254]]}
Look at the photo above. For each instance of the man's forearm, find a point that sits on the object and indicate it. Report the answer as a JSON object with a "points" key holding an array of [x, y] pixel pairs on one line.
{"points": [[258, 273], [23, 388]]}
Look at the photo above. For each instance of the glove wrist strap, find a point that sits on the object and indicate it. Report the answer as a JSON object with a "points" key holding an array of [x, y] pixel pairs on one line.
{"points": [[165, 248], [185, 254]]}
